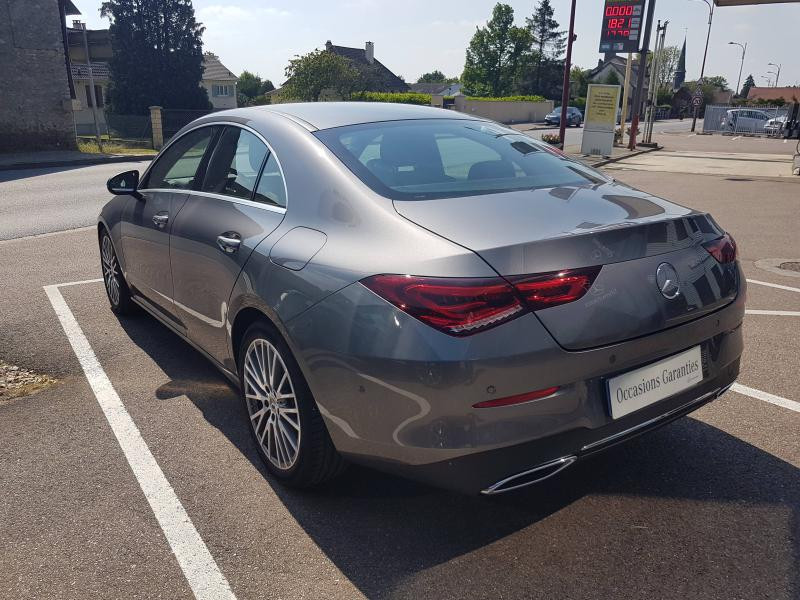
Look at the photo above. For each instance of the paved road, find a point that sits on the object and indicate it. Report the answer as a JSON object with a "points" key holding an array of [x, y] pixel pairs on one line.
{"points": [[574, 135], [35, 201], [708, 507]]}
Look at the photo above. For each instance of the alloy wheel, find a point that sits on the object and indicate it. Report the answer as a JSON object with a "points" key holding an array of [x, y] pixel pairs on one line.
{"points": [[110, 271], [271, 403]]}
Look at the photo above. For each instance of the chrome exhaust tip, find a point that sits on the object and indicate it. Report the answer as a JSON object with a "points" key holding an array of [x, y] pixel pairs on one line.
{"points": [[531, 476]]}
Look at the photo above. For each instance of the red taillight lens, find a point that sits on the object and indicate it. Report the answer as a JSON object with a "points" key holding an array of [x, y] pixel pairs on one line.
{"points": [[723, 249], [458, 306], [546, 290], [518, 399]]}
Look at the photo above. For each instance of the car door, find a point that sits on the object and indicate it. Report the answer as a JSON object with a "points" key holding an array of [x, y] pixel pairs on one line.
{"points": [[147, 222], [241, 200]]}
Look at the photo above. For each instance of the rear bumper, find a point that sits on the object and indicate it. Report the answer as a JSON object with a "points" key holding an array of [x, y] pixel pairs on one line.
{"points": [[511, 468], [398, 395]]}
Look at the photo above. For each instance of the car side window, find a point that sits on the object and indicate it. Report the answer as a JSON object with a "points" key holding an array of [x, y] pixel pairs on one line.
{"points": [[178, 166], [234, 166], [270, 188]]}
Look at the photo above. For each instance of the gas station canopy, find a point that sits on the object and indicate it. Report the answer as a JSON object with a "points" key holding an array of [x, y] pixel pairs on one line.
{"points": [[748, 2]]}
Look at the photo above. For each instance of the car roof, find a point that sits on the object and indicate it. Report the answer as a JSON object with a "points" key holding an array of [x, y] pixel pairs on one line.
{"points": [[326, 115]]}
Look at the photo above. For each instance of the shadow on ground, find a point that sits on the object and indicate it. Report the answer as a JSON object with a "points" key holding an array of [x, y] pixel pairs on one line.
{"points": [[687, 505]]}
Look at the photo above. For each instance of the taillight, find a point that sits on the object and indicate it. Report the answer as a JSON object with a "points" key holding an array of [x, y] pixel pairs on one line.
{"points": [[458, 306], [463, 306], [723, 249], [545, 290]]}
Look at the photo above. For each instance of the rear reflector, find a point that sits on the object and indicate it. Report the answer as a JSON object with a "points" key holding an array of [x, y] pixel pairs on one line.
{"points": [[518, 399], [463, 306], [723, 249], [546, 290], [458, 306]]}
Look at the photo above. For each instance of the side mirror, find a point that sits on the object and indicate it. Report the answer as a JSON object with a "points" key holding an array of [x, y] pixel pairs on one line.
{"points": [[124, 184]]}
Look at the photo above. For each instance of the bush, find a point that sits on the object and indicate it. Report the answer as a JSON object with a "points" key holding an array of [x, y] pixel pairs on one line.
{"points": [[508, 98], [551, 138], [580, 104], [399, 97]]}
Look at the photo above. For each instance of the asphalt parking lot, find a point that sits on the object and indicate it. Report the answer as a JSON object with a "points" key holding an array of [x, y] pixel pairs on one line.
{"points": [[707, 507]]}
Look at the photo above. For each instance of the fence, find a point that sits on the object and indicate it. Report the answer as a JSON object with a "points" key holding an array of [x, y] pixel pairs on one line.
{"points": [[745, 120], [127, 131]]}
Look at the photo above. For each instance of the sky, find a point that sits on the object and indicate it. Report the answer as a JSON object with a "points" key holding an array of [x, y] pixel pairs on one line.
{"points": [[412, 37]]}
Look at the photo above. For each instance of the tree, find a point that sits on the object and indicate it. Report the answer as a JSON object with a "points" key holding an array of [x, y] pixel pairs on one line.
{"points": [[748, 83], [436, 76], [548, 41], [311, 74], [668, 59], [157, 57], [612, 78], [250, 86], [495, 54], [579, 82]]}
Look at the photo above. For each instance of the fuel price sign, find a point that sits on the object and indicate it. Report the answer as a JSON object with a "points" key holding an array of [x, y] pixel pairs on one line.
{"points": [[622, 24]]}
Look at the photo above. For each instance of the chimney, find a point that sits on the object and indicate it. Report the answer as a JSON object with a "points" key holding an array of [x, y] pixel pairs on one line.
{"points": [[328, 45], [369, 52]]}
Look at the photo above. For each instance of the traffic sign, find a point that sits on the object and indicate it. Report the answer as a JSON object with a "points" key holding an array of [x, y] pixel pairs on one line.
{"points": [[697, 101], [698, 92]]}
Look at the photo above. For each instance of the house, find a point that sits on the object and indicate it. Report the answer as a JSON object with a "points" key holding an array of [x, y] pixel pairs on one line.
{"points": [[99, 43], [377, 77], [36, 110], [437, 89], [614, 66], [770, 94], [219, 81]]}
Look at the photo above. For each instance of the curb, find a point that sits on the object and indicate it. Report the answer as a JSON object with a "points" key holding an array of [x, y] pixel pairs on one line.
{"points": [[613, 159], [100, 160]]}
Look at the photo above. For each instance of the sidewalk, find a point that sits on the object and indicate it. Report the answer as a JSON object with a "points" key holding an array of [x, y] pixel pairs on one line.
{"points": [[63, 158]]}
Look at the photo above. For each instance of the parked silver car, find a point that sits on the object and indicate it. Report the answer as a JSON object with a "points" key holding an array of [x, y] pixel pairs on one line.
{"points": [[744, 120], [423, 291]]}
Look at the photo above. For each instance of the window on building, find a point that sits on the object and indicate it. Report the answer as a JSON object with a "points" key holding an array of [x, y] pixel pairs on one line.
{"points": [[98, 96], [221, 90]]}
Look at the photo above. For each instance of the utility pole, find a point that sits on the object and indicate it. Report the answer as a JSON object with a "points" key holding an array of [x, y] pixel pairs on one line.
{"points": [[637, 96], [652, 96], [625, 93], [741, 66], [705, 53], [562, 130], [92, 96]]}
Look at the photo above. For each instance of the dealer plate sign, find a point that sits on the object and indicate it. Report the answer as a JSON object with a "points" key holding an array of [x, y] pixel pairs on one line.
{"points": [[634, 390]]}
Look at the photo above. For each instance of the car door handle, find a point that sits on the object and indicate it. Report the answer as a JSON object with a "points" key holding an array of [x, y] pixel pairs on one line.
{"points": [[229, 242], [160, 219]]}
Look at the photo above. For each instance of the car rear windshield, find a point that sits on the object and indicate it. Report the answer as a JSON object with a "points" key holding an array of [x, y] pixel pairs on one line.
{"points": [[433, 158]]}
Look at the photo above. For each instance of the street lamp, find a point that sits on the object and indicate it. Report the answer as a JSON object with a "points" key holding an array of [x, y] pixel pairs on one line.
{"points": [[778, 74], [769, 81], [741, 66], [705, 53], [776, 77]]}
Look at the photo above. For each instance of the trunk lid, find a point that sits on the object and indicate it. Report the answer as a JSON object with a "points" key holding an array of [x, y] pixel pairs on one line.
{"points": [[629, 232]]}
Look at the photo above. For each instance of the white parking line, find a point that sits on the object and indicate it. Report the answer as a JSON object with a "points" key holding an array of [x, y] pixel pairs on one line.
{"points": [[776, 313], [774, 285], [766, 397], [194, 558]]}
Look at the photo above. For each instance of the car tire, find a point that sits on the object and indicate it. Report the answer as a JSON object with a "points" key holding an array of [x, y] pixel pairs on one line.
{"points": [[284, 418], [117, 290]]}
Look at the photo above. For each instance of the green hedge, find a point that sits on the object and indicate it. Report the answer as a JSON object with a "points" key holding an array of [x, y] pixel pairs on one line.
{"points": [[508, 99], [399, 97]]}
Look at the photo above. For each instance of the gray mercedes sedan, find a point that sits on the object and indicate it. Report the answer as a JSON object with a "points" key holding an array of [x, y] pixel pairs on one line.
{"points": [[423, 291]]}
